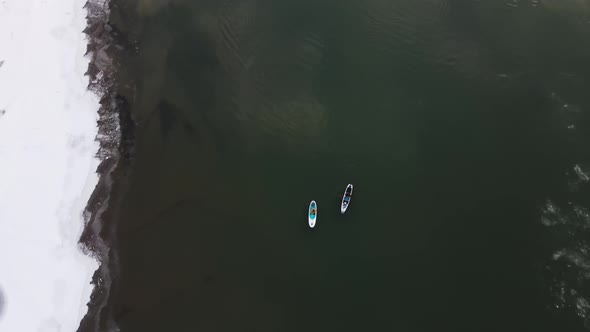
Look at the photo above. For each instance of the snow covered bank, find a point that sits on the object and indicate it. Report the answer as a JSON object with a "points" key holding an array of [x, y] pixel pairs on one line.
{"points": [[47, 164]]}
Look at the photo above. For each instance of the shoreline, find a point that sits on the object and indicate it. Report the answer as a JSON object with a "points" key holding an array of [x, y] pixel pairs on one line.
{"points": [[115, 137]]}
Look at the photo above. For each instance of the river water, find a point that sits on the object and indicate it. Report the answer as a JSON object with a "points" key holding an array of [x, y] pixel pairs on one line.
{"points": [[462, 124]]}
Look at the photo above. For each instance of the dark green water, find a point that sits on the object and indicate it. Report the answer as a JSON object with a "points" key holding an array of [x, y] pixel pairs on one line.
{"points": [[460, 123]]}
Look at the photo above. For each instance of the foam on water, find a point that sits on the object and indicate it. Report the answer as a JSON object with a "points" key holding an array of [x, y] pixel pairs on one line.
{"points": [[569, 224]]}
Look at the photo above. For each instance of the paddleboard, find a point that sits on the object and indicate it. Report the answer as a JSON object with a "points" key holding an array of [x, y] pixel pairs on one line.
{"points": [[346, 199], [312, 214]]}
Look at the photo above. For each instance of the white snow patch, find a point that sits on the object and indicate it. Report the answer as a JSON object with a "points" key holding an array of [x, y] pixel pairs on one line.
{"points": [[47, 165]]}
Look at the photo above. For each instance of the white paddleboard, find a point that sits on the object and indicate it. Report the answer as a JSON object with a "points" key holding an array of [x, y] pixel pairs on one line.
{"points": [[312, 214], [346, 198]]}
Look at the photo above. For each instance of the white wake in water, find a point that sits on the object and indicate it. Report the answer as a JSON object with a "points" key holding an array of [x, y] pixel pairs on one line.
{"points": [[570, 223]]}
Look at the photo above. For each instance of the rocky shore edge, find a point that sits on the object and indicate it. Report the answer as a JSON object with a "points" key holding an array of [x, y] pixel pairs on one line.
{"points": [[115, 136]]}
